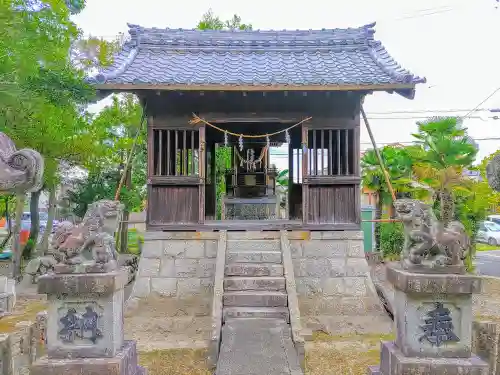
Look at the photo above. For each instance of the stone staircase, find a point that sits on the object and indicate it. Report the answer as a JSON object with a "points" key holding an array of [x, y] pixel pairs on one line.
{"points": [[254, 281], [256, 337]]}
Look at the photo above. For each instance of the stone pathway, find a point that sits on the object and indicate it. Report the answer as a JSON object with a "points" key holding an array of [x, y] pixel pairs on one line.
{"points": [[257, 346]]}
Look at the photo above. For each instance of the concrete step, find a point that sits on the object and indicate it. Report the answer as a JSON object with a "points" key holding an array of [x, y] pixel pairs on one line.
{"points": [[254, 269], [254, 283], [256, 245], [254, 256], [254, 298], [256, 312]]}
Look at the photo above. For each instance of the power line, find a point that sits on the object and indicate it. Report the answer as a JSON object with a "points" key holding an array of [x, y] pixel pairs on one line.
{"points": [[451, 110], [412, 142], [422, 118], [480, 104], [279, 154]]}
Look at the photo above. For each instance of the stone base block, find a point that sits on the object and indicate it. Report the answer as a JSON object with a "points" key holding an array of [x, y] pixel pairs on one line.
{"points": [[373, 370], [393, 362], [124, 363], [6, 303]]}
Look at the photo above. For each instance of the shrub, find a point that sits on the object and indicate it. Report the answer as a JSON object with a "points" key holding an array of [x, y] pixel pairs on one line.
{"points": [[391, 239]]}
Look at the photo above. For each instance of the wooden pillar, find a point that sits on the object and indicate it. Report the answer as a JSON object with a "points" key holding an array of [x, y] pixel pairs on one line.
{"points": [[213, 178], [290, 179], [305, 163], [201, 168]]}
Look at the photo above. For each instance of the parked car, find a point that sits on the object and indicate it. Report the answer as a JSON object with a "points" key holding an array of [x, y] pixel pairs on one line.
{"points": [[493, 218], [489, 232], [43, 216]]}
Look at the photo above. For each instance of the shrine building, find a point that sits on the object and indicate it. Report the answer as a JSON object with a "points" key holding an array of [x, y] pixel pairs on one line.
{"points": [[219, 106]]}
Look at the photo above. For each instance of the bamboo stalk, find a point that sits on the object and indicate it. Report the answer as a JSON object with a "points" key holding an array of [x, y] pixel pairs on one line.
{"points": [[130, 156], [377, 153]]}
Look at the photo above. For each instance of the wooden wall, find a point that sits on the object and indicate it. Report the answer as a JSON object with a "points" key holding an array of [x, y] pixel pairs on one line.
{"points": [[326, 191], [176, 172], [331, 171]]}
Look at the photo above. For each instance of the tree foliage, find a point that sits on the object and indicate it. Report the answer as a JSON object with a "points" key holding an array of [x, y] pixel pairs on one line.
{"points": [[434, 163], [209, 21], [116, 128]]}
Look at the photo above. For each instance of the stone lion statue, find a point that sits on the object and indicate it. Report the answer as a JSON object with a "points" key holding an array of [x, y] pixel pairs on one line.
{"points": [[90, 244], [21, 171], [493, 172], [428, 244]]}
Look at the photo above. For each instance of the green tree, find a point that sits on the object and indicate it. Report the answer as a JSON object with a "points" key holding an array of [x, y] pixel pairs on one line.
{"points": [[446, 150], [42, 88], [117, 127], [398, 164], [209, 21]]}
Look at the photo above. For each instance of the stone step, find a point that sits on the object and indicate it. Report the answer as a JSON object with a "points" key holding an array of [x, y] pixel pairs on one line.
{"points": [[254, 283], [239, 312], [254, 298], [250, 324], [254, 269], [254, 256], [256, 245]]}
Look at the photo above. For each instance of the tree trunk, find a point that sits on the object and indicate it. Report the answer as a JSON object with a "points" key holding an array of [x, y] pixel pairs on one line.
{"points": [[124, 223], [35, 217], [44, 245], [16, 243], [447, 206], [378, 216]]}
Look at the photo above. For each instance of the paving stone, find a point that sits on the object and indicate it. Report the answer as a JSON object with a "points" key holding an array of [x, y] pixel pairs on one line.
{"points": [[265, 349]]}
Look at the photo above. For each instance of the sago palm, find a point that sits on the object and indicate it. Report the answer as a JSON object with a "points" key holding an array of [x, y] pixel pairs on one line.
{"points": [[445, 152]]}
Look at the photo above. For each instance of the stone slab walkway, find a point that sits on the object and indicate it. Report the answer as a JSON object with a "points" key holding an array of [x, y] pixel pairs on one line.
{"points": [[257, 347]]}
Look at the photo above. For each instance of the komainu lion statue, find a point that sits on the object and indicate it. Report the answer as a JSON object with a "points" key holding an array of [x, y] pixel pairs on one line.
{"points": [[21, 171], [429, 245], [90, 244], [493, 172]]}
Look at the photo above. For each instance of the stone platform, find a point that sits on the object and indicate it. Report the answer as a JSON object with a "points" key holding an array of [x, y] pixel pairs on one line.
{"points": [[257, 347]]}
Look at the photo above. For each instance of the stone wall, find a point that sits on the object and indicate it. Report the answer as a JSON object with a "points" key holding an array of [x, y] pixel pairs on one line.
{"points": [[176, 264], [336, 293], [20, 348], [137, 221]]}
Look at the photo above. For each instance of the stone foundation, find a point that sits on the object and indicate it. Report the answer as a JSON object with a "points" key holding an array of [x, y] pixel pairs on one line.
{"points": [[335, 290], [331, 274], [176, 264]]}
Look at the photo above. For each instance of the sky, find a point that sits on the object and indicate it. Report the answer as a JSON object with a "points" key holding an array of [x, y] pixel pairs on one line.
{"points": [[453, 43]]}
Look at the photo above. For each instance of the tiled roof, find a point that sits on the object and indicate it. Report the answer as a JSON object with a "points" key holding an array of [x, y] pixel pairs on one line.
{"points": [[177, 57]]}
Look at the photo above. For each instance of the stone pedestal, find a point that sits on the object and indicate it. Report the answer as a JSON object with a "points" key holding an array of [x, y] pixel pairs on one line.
{"points": [[7, 295], [85, 326], [433, 317]]}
